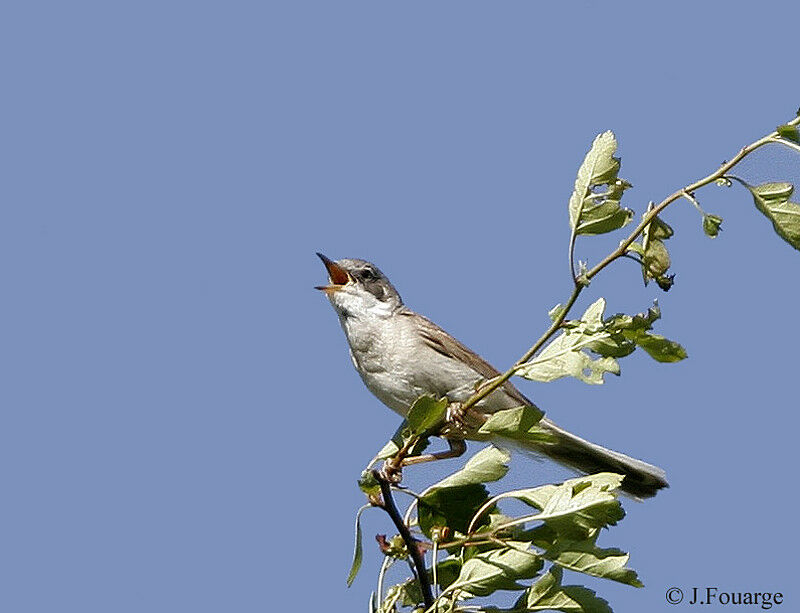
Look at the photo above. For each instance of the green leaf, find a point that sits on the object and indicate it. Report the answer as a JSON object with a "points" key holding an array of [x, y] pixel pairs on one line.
{"points": [[451, 507], [563, 358], [578, 507], [388, 450], [447, 572], [599, 161], [636, 248], [403, 594], [585, 557], [611, 338], [489, 464], [660, 229], [498, 569], [655, 257], [555, 312], [547, 594], [626, 332], [454, 501], [542, 536], [394, 444], [495, 520], [593, 315], [592, 209], [397, 440], [665, 282], [368, 484], [712, 225], [606, 216], [615, 337], [772, 199], [518, 424], [790, 133], [425, 413], [659, 348], [566, 355], [358, 552]]}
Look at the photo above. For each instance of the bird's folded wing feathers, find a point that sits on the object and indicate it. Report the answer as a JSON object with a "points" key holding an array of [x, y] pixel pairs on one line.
{"points": [[446, 345], [642, 480]]}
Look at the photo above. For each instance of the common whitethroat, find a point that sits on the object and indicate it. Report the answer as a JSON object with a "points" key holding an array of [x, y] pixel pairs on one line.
{"points": [[400, 355]]}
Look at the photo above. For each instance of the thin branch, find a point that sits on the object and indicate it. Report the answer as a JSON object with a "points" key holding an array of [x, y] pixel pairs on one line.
{"points": [[410, 510], [416, 557], [488, 505], [404, 490], [435, 564], [621, 251], [572, 236], [719, 173], [414, 553], [788, 143], [690, 197], [498, 381], [466, 542], [739, 180], [387, 563], [633, 257]]}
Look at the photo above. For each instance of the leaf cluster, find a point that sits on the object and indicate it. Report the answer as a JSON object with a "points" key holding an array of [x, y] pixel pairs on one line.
{"points": [[483, 550], [653, 252], [772, 199], [588, 348], [421, 420], [477, 546], [594, 207]]}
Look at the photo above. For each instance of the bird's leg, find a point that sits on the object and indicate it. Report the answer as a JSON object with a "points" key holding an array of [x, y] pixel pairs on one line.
{"points": [[457, 448], [454, 430], [458, 423], [455, 414], [392, 469]]}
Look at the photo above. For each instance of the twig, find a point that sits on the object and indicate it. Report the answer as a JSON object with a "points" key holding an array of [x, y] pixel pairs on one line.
{"points": [[619, 252], [416, 557], [788, 143], [634, 258], [572, 237], [691, 198], [498, 381], [387, 562], [388, 505], [772, 137]]}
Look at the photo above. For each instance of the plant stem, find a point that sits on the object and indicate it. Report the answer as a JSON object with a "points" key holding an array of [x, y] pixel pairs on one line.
{"points": [[498, 381], [788, 143], [619, 252], [772, 137], [572, 236], [414, 553], [387, 562], [693, 200]]}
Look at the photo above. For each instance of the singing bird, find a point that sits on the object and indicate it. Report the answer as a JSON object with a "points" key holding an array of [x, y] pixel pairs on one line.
{"points": [[401, 355]]}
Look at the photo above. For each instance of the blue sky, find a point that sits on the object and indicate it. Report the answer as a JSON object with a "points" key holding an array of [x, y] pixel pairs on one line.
{"points": [[182, 425]]}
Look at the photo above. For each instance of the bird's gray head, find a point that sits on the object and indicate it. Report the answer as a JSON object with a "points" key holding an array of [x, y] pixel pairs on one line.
{"points": [[358, 288]]}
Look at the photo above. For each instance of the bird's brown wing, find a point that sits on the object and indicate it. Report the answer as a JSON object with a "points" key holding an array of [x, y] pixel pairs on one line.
{"points": [[445, 344], [642, 480]]}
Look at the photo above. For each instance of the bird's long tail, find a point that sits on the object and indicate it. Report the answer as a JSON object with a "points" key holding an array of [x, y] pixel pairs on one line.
{"points": [[642, 480]]}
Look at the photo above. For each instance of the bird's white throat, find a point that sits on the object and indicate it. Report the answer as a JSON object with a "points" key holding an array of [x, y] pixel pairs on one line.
{"points": [[352, 301]]}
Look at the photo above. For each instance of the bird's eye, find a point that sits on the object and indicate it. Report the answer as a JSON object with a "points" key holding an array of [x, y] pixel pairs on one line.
{"points": [[368, 274]]}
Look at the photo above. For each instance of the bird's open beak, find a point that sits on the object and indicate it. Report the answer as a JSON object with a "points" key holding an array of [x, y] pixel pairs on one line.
{"points": [[337, 275]]}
